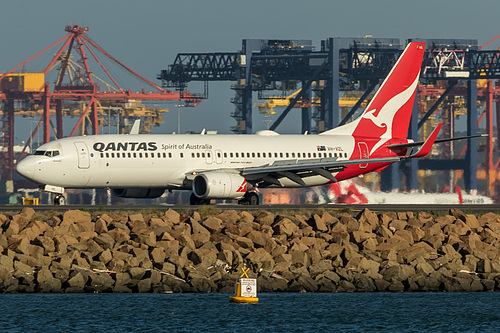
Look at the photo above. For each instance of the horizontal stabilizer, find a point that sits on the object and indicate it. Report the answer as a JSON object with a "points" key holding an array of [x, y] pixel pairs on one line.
{"points": [[427, 146], [420, 143]]}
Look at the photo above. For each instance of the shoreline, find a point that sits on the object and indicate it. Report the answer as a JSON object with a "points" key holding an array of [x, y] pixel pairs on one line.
{"points": [[203, 250]]}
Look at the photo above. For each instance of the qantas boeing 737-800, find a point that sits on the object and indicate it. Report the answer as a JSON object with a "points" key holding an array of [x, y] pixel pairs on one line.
{"points": [[232, 166]]}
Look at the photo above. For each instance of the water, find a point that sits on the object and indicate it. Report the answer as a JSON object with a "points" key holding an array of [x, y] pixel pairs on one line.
{"points": [[283, 312]]}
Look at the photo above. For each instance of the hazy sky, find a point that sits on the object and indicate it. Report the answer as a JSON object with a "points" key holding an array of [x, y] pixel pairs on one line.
{"points": [[146, 35]]}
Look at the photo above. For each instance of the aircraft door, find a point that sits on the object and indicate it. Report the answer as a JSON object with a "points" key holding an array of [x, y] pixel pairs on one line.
{"points": [[363, 153], [218, 156], [208, 156], [83, 155]]}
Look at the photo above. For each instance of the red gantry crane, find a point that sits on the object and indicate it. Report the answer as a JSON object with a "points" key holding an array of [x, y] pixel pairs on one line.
{"points": [[75, 81]]}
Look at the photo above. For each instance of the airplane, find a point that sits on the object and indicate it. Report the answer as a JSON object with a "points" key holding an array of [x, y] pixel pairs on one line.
{"points": [[216, 166]]}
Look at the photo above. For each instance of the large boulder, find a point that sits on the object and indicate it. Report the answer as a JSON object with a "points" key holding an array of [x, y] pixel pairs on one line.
{"points": [[76, 216], [368, 217], [171, 216], [265, 218], [285, 227], [47, 282]]}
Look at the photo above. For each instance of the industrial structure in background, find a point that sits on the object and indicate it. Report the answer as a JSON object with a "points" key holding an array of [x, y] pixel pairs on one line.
{"points": [[330, 85], [76, 91], [457, 79]]}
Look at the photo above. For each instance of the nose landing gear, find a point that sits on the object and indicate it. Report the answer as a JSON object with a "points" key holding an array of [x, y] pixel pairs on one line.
{"points": [[60, 200]]}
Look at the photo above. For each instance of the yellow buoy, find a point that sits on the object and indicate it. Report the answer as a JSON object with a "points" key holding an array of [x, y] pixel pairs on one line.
{"points": [[246, 289]]}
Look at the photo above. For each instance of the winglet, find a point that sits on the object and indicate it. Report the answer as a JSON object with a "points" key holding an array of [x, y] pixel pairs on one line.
{"points": [[135, 127], [427, 146]]}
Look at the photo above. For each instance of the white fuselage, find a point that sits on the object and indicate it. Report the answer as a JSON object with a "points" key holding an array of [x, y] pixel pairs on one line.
{"points": [[166, 161]]}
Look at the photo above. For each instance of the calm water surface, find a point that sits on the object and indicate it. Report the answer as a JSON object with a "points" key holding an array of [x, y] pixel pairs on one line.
{"points": [[283, 312]]}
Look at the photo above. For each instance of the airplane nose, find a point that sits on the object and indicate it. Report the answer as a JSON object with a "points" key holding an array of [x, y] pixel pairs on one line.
{"points": [[26, 168]]}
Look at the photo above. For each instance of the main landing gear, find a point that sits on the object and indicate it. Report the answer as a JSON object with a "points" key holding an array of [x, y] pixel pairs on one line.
{"points": [[250, 198], [194, 200]]}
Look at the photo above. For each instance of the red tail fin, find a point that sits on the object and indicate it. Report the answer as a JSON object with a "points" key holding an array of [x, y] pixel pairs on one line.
{"points": [[388, 114]]}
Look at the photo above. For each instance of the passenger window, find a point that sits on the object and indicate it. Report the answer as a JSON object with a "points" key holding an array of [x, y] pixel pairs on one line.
{"points": [[107, 155], [140, 155], [253, 154], [102, 155], [345, 154], [182, 155], [330, 154], [263, 154], [145, 154], [208, 155], [203, 155], [275, 154], [218, 155], [236, 154], [293, 154], [248, 154], [129, 155], [225, 155], [281, 155], [230, 154], [135, 155], [124, 155], [198, 155], [192, 155], [258, 154], [309, 155], [286, 154], [169, 155]]}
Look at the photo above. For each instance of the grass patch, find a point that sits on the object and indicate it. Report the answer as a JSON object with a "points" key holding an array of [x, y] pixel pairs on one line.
{"points": [[206, 211]]}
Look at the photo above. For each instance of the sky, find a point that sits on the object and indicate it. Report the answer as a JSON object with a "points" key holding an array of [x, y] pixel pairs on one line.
{"points": [[146, 35]]}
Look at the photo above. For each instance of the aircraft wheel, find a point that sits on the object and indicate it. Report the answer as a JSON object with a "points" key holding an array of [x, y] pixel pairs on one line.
{"points": [[60, 200], [253, 199], [250, 198]]}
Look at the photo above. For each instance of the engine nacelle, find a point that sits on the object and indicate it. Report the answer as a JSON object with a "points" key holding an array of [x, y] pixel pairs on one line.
{"points": [[138, 192], [219, 185]]}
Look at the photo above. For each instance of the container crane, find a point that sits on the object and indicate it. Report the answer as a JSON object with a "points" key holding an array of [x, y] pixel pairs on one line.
{"points": [[75, 81]]}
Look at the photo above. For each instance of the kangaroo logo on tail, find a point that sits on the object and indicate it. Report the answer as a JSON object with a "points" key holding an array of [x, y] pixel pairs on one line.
{"points": [[388, 113]]}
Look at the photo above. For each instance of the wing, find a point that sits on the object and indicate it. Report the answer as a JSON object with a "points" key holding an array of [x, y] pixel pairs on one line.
{"points": [[296, 170]]}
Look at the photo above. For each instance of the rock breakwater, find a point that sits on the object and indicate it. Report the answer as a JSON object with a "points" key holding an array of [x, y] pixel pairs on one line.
{"points": [[329, 251]]}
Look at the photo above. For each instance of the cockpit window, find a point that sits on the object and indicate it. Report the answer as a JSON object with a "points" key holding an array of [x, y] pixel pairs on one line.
{"points": [[48, 153]]}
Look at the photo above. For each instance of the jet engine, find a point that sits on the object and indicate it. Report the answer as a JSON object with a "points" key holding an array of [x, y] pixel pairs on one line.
{"points": [[219, 185], [138, 192]]}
